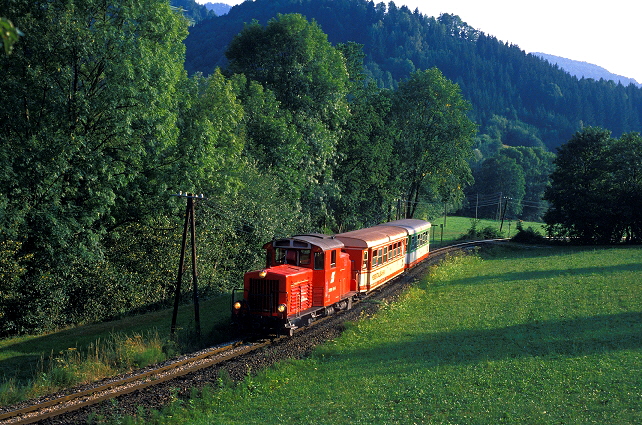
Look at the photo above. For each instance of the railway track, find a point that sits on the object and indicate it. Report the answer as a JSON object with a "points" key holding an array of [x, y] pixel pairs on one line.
{"points": [[47, 411]]}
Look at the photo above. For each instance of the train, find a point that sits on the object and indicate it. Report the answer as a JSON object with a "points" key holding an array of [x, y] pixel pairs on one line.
{"points": [[313, 275]]}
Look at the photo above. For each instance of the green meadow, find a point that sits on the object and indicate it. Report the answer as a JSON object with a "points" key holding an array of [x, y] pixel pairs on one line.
{"points": [[514, 334]]}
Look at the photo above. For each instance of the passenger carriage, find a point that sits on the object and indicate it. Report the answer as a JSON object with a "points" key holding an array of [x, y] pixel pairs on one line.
{"points": [[376, 253], [418, 239]]}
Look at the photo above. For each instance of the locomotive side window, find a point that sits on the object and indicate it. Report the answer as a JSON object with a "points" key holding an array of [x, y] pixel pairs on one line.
{"points": [[304, 257], [280, 255], [333, 259], [319, 261], [365, 259]]}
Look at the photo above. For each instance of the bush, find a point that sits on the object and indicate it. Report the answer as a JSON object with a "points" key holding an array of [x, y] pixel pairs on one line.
{"points": [[487, 232], [529, 235]]}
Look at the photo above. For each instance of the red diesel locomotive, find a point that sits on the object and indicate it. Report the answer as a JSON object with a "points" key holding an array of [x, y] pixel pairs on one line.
{"points": [[314, 275]]}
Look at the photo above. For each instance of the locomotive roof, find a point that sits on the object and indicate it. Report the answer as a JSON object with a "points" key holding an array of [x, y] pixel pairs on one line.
{"points": [[413, 225], [371, 236], [325, 242]]}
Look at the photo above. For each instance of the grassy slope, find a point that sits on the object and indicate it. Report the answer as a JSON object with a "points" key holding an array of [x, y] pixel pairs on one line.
{"points": [[546, 336], [26, 362]]}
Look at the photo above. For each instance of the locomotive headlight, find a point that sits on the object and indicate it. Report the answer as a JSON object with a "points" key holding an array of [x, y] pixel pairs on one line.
{"points": [[281, 308], [237, 305], [263, 273]]}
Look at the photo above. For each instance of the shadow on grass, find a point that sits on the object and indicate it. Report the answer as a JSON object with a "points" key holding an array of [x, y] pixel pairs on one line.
{"points": [[554, 339]]}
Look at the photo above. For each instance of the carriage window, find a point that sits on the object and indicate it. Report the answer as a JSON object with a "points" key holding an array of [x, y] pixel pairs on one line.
{"points": [[333, 259], [319, 261], [304, 257], [385, 254]]}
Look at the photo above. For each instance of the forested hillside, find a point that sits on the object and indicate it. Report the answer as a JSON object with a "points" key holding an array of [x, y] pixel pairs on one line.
{"points": [[544, 105]]}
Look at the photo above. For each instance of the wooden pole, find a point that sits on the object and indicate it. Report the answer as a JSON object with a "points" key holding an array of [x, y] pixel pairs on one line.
{"points": [[197, 316], [181, 265]]}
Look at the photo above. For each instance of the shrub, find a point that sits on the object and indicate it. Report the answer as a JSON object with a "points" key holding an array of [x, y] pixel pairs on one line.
{"points": [[529, 235]]}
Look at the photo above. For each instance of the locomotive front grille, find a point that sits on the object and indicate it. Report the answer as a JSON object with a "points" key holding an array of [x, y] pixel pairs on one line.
{"points": [[263, 295]]}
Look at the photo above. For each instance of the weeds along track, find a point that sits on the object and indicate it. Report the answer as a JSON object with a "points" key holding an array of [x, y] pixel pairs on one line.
{"points": [[153, 387]]}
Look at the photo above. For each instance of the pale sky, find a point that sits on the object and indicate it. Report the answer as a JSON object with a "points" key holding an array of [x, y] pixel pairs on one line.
{"points": [[608, 33]]}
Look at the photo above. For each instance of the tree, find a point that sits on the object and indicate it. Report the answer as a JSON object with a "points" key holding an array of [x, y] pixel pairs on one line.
{"points": [[91, 130], [433, 140], [580, 202], [368, 162], [293, 59], [626, 157], [537, 165], [501, 178]]}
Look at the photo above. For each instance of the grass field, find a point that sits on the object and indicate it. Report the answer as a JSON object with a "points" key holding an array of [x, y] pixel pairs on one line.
{"points": [[514, 335]]}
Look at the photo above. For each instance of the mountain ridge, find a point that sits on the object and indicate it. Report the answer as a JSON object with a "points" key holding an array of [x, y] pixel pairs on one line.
{"points": [[219, 8], [582, 69]]}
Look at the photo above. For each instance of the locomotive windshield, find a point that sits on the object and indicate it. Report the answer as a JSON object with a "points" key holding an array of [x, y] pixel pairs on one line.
{"points": [[294, 257]]}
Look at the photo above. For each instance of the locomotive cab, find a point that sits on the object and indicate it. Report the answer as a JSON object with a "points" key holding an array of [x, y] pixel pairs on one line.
{"points": [[306, 276]]}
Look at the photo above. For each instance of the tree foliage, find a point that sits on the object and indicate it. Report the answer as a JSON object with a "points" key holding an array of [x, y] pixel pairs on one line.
{"points": [[434, 138], [9, 34], [293, 59], [594, 195], [86, 139]]}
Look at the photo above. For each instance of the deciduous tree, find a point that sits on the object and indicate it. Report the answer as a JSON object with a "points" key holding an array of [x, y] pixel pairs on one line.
{"points": [[580, 205], [293, 58], [87, 134], [434, 138]]}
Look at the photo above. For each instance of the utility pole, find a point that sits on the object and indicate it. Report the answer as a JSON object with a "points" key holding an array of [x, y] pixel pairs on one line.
{"points": [[503, 214], [189, 222], [477, 206], [445, 212]]}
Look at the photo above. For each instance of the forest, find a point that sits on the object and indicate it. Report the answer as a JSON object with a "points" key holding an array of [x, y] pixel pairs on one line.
{"points": [[104, 121]]}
